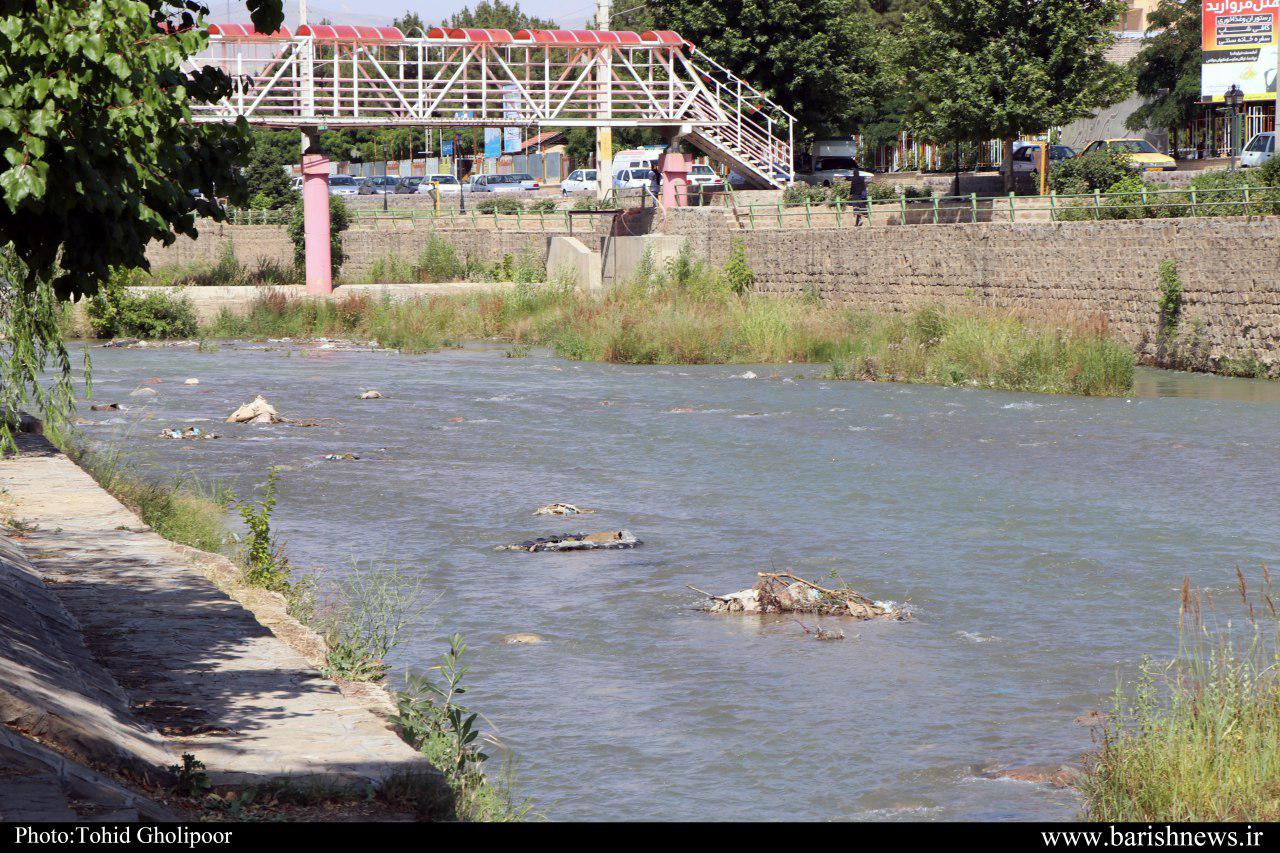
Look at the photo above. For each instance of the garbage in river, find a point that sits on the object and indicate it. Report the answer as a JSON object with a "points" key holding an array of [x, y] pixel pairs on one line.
{"points": [[189, 432], [783, 592], [371, 395], [562, 509], [339, 457], [577, 542], [107, 407], [192, 381], [259, 411], [143, 392], [124, 343]]}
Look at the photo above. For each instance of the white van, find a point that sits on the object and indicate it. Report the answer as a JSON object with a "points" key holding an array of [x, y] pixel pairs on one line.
{"points": [[1259, 150], [636, 158]]}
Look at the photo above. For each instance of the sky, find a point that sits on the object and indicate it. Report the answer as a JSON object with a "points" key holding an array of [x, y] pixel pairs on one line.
{"points": [[568, 13]]}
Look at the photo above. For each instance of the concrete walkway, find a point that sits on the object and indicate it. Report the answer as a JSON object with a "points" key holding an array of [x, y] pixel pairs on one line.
{"points": [[194, 664]]}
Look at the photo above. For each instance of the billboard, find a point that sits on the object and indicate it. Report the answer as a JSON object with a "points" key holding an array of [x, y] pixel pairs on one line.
{"points": [[492, 142], [511, 111], [1239, 44]]}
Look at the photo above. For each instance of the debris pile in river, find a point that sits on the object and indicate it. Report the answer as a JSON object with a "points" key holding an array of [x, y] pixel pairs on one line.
{"points": [[371, 395], [259, 411], [188, 432], [341, 457], [783, 592], [577, 542], [562, 509]]}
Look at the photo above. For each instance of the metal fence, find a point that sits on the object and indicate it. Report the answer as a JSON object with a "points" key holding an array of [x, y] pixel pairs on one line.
{"points": [[940, 210]]}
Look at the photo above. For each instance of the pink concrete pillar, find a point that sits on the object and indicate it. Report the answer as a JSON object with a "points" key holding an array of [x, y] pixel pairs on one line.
{"points": [[675, 182], [315, 222]]}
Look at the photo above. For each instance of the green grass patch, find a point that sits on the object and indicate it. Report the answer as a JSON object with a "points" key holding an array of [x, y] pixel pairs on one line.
{"points": [[686, 313]]}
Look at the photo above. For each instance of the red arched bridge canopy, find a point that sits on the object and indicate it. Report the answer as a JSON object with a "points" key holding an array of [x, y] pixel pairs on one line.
{"points": [[352, 32]]}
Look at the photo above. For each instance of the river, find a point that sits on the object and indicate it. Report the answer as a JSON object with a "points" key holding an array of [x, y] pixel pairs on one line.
{"points": [[1040, 541]]}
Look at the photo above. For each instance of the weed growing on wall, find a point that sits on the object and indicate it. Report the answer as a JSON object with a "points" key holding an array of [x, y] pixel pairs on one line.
{"points": [[1170, 301]]}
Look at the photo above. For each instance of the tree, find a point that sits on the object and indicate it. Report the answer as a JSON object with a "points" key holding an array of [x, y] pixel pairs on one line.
{"points": [[1167, 70], [994, 69], [269, 186], [410, 23], [499, 16], [816, 59], [99, 159]]}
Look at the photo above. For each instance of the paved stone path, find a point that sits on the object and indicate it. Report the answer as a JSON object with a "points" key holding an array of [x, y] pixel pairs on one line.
{"points": [[193, 663]]}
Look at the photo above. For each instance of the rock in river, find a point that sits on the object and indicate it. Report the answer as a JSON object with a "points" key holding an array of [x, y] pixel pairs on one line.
{"points": [[521, 639], [562, 509], [259, 411], [578, 542]]}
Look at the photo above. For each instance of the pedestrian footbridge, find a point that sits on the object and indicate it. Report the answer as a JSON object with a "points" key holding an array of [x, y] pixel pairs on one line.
{"points": [[327, 76]]}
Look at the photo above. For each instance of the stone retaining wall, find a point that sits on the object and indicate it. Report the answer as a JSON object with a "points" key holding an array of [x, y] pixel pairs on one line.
{"points": [[1075, 269]]}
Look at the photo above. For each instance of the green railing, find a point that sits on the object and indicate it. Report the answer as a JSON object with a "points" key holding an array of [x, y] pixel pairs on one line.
{"points": [[965, 209]]}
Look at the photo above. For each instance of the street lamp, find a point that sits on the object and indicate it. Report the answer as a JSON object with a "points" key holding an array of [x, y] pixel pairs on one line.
{"points": [[1234, 96]]}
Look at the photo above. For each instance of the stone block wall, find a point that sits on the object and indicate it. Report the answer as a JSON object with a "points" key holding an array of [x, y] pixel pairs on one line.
{"points": [[1082, 270]]}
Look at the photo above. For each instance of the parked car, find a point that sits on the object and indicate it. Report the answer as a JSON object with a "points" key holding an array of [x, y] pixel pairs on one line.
{"points": [[635, 158], [1143, 156], [409, 185], [828, 170], [702, 174], [1026, 158], [445, 184], [343, 185], [378, 184], [583, 180], [633, 178], [1259, 150], [526, 181], [494, 184]]}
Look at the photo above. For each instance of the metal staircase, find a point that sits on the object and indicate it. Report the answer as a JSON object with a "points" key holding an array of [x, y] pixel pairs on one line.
{"points": [[354, 76]]}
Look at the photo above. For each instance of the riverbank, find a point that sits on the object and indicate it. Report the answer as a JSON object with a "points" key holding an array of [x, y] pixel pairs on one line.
{"points": [[228, 714], [692, 316]]}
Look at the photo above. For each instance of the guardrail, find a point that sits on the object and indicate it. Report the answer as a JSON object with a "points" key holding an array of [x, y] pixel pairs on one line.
{"points": [[972, 208]]}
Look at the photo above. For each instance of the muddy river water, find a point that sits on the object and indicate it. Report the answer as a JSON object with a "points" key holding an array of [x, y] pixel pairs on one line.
{"points": [[1040, 541]]}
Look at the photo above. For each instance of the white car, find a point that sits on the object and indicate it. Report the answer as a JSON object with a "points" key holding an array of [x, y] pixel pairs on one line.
{"points": [[583, 180], [1259, 150], [527, 181], [633, 178], [343, 185], [702, 174], [495, 184], [446, 184]]}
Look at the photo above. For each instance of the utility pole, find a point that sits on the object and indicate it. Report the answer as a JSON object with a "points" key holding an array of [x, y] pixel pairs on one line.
{"points": [[604, 83]]}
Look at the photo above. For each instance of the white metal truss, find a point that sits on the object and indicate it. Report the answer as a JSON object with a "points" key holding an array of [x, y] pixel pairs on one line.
{"points": [[461, 80]]}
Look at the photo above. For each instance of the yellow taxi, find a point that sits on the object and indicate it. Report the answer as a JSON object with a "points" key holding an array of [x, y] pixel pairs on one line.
{"points": [[1143, 156]]}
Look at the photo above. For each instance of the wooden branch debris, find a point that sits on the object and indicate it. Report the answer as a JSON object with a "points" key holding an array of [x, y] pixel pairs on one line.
{"points": [[784, 592]]}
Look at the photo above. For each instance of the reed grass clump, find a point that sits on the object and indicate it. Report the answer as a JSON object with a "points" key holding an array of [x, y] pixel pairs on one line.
{"points": [[1197, 738], [685, 312]]}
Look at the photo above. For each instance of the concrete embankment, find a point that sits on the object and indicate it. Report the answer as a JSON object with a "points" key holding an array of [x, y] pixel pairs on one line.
{"points": [[118, 652]]}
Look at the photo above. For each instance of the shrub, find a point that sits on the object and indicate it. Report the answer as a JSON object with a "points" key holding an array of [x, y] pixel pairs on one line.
{"points": [[804, 194], [372, 608], [499, 204], [1088, 172], [439, 261], [1170, 301], [265, 563], [542, 204], [737, 272], [339, 219], [114, 312]]}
